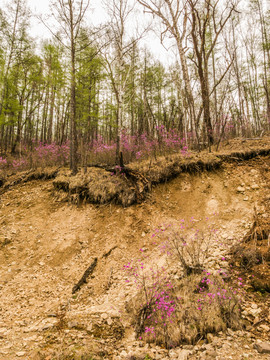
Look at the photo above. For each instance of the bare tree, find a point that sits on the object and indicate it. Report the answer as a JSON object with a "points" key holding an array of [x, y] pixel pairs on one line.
{"points": [[69, 15], [116, 59], [203, 15], [174, 16]]}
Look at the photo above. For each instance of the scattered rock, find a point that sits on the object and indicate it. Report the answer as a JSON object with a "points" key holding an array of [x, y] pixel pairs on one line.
{"points": [[240, 189], [211, 353], [183, 354], [72, 324], [262, 347], [3, 332], [109, 321], [20, 353], [264, 327], [210, 337], [255, 187], [123, 353]]}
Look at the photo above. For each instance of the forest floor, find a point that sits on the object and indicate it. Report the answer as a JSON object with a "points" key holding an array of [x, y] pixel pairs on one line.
{"points": [[47, 244]]}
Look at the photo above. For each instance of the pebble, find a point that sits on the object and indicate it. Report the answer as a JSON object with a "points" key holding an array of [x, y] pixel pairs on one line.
{"points": [[72, 324], [183, 354], [211, 353], [210, 337], [240, 189], [20, 353], [109, 321], [3, 332], [264, 327], [255, 187], [262, 347]]}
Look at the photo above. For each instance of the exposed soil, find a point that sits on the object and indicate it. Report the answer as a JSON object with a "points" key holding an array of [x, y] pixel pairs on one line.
{"points": [[47, 244]]}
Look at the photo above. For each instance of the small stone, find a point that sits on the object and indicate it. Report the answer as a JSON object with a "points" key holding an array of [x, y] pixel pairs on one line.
{"points": [[256, 320], [3, 332], [254, 312], [173, 354], [240, 189], [255, 187], [104, 316], [183, 354], [210, 337], [211, 353], [72, 324], [109, 321], [20, 353], [89, 327], [246, 198], [262, 347], [264, 327]]}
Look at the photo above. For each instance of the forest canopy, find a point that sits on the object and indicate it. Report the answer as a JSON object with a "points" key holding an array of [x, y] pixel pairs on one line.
{"points": [[90, 93]]}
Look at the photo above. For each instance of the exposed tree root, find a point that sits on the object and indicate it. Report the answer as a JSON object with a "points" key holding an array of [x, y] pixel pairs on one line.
{"points": [[101, 184]]}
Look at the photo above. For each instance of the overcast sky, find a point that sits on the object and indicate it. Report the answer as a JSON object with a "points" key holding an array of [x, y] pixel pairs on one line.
{"points": [[95, 15]]}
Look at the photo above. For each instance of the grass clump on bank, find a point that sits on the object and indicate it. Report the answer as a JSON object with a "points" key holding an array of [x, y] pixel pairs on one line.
{"points": [[173, 303], [99, 186]]}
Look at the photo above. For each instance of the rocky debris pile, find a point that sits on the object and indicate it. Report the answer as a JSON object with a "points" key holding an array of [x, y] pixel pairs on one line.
{"points": [[239, 345]]}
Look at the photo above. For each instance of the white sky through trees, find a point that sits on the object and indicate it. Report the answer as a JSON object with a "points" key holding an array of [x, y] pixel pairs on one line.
{"points": [[96, 14]]}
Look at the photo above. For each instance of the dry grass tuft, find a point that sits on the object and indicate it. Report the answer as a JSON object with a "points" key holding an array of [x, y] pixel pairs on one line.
{"points": [[98, 186], [246, 257], [25, 176], [196, 313], [165, 168]]}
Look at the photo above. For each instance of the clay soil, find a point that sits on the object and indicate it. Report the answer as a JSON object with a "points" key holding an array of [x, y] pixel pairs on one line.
{"points": [[46, 244]]}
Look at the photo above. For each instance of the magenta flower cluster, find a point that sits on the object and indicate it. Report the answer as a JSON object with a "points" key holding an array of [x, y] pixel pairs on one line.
{"points": [[140, 146], [42, 155], [51, 154], [159, 304], [3, 162]]}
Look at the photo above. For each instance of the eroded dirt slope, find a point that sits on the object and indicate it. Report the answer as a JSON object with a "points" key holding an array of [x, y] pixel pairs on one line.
{"points": [[46, 245]]}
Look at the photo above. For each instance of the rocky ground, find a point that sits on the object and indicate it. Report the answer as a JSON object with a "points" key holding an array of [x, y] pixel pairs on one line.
{"points": [[47, 244]]}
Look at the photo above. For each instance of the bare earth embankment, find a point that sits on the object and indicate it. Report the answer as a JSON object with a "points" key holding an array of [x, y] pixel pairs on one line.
{"points": [[46, 244]]}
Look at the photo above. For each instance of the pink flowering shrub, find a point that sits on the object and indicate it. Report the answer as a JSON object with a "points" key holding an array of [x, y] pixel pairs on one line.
{"points": [[50, 154], [40, 156], [155, 305], [173, 304], [3, 163], [19, 164], [138, 146]]}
